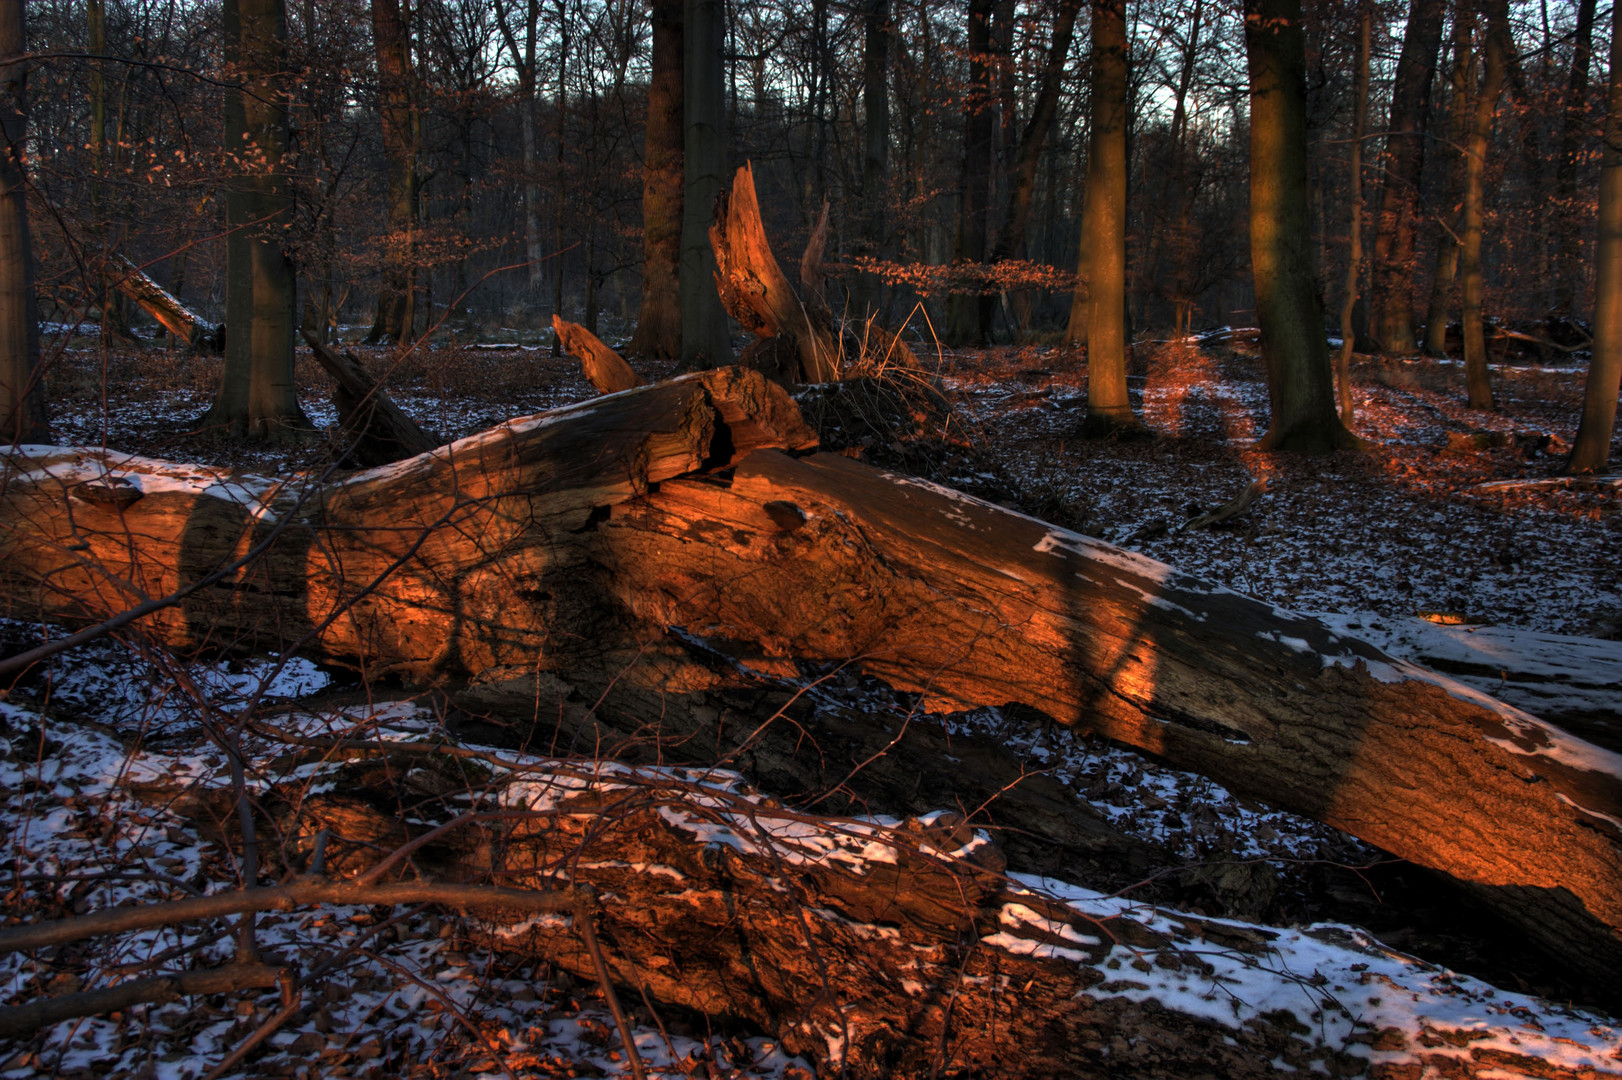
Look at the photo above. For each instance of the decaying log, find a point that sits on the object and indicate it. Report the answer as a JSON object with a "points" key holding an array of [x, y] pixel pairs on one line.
{"points": [[557, 542], [162, 305], [754, 289], [603, 367], [899, 948], [380, 432]]}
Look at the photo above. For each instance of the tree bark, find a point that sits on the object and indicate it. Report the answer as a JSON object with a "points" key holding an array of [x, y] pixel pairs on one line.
{"points": [[876, 949], [1354, 254], [1570, 271], [187, 326], [558, 543], [1109, 410], [877, 28], [705, 337], [963, 309], [379, 431], [658, 324], [1462, 82], [1591, 449], [397, 113], [1396, 213], [22, 398], [257, 398], [604, 368], [755, 291], [1478, 380], [1300, 384]]}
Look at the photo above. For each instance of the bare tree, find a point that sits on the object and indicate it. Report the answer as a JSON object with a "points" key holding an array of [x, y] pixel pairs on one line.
{"points": [[1497, 49], [658, 326], [705, 336], [256, 397], [21, 398], [1299, 382], [1592, 449]]}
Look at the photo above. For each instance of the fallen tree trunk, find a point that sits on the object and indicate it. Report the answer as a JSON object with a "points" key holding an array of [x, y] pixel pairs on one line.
{"points": [[895, 948], [379, 431], [162, 305], [604, 368], [557, 542]]}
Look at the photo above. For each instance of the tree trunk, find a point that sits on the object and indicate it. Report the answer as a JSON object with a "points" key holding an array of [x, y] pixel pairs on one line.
{"points": [[1354, 254], [559, 180], [1570, 270], [1591, 450], [963, 309], [877, 29], [1478, 380], [662, 507], [754, 290], [379, 431], [1028, 153], [22, 398], [705, 337], [1109, 410], [1300, 385], [658, 323], [397, 113], [1395, 262], [186, 325], [256, 398], [874, 949], [1462, 82]]}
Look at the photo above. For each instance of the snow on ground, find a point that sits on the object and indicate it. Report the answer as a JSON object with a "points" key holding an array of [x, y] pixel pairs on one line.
{"points": [[1451, 513]]}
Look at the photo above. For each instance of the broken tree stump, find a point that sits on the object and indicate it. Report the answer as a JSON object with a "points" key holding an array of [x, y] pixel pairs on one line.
{"points": [[379, 430], [755, 291], [603, 367], [556, 542]]}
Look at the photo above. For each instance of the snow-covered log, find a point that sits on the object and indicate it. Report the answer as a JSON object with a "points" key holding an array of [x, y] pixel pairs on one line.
{"points": [[899, 948], [558, 542]]}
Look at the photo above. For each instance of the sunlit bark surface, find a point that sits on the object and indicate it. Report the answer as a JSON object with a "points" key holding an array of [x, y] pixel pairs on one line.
{"points": [[557, 542]]}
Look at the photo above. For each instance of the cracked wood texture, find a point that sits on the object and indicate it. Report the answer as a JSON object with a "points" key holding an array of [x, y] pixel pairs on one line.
{"points": [[874, 950], [555, 543]]}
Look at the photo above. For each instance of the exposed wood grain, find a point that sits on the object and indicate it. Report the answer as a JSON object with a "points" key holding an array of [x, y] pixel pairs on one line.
{"points": [[603, 367]]}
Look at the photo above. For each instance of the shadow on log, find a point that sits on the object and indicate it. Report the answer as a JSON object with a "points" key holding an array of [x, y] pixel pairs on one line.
{"points": [[556, 543]]}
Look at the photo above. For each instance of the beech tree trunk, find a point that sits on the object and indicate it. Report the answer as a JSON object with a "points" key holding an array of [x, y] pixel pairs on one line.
{"points": [[877, 28], [22, 399], [1109, 410], [1570, 273], [963, 309], [1354, 253], [658, 323], [1497, 46], [705, 337], [1396, 212], [665, 507], [1300, 385], [257, 398], [397, 110], [1592, 447], [1462, 81]]}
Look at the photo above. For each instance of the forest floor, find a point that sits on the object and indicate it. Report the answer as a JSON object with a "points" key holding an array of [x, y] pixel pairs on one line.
{"points": [[1451, 539]]}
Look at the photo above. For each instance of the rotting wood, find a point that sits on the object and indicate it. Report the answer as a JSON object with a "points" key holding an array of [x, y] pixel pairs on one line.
{"points": [[894, 949], [557, 542], [754, 289], [379, 430], [604, 368], [162, 305]]}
